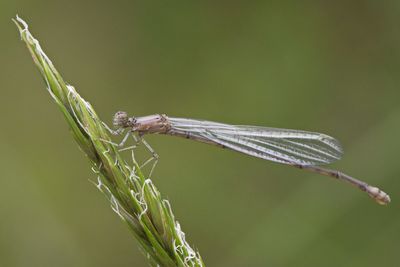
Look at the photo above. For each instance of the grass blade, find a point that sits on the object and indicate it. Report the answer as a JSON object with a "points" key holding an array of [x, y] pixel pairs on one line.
{"points": [[132, 196]]}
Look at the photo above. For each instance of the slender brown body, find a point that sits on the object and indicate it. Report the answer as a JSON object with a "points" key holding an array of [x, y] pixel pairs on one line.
{"points": [[235, 138]]}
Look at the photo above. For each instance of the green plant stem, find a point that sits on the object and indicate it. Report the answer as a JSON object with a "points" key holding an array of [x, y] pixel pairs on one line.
{"points": [[132, 196]]}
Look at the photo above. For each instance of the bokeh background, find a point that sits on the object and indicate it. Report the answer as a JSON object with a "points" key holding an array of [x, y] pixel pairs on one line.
{"points": [[327, 67]]}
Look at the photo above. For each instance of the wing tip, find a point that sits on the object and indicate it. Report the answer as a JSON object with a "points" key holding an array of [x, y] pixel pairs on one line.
{"points": [[332, 142]]}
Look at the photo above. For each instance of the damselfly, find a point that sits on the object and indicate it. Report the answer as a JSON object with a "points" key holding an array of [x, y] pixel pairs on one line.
{"points": [[300, 149]]}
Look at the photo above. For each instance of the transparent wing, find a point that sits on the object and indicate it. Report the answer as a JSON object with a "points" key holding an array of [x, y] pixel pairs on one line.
{"points": [[279, 145]]}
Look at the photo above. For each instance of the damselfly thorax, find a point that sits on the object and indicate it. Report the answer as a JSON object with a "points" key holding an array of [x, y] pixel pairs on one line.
{"points": [[143, 125]]}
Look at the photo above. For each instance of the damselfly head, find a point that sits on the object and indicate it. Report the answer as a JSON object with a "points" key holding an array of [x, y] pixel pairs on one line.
{"points": [[121, 119]]}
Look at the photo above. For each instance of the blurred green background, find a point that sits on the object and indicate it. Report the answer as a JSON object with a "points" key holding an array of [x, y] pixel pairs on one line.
{"points": [[326, 67]]}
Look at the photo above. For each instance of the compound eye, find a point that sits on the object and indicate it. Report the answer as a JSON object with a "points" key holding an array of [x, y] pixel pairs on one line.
{"points": [[120, 119]]}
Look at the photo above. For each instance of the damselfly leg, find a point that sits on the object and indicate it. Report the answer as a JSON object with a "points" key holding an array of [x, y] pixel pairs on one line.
{"points": [[138, 139], [122, 143], [154, 156]]}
